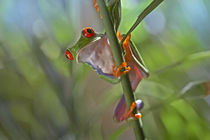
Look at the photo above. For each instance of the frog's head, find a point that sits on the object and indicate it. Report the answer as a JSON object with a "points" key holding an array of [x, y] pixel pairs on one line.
{"points": [[87, 36]]}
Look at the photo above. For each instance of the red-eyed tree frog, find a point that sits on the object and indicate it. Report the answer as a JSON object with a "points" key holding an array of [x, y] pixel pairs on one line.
{"points": [[94, 49]]}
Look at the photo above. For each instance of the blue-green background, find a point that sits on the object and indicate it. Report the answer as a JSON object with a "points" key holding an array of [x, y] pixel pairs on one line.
{"points": [[43, 96]]}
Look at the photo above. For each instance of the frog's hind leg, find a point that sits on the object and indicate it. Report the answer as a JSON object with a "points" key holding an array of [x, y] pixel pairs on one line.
{"points": [[137, 104], [95, 4], [122, 113]]}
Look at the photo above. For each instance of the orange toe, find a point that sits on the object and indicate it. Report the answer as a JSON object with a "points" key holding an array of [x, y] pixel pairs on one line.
{"points": [[124, 64], [138, 116], [131, 114], [96, 7], [121, 70]]}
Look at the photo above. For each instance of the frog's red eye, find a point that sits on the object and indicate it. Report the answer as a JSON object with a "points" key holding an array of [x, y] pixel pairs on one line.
{"points": [[69, 55], [88, 32]]}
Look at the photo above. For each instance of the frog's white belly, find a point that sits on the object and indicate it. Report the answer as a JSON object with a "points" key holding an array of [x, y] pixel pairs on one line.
{"points": [[98, 54]]}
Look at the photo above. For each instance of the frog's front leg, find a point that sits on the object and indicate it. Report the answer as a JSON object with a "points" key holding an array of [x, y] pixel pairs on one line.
{"points": [[137, 104], [121, 70], [126, 41]]}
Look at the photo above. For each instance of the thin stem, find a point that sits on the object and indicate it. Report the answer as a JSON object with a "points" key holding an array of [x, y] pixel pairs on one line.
{"points": [[118, 57], [143, 14]]}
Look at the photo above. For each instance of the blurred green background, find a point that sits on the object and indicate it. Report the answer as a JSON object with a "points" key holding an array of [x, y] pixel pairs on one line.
{"points": [[43, 96]]}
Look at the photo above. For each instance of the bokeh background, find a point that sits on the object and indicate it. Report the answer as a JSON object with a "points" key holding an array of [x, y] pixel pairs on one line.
{"points": [[43, 96]]}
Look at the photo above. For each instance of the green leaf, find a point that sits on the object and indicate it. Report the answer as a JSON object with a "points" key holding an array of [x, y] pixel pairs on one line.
{"points": [[194, 89], [199, 56]]}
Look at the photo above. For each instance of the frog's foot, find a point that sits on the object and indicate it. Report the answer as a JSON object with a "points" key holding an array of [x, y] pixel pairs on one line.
{"points": [[136, 116], [126, 41], [119, 35], [137, 104], [121, 70], [96, 7]]}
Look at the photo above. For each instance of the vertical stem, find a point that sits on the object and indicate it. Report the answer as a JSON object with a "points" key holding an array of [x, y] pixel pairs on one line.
{"points": [[118, 57]]}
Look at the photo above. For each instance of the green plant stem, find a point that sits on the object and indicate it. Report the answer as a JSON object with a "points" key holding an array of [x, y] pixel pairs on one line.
{"points": [[118, 57], [143, 14]]}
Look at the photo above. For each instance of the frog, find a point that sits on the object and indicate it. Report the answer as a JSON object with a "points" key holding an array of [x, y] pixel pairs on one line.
{"points": [[94, 49]]}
